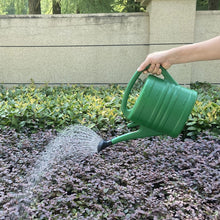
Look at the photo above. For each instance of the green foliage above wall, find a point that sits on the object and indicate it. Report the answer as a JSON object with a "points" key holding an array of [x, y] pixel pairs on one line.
{"points": [[72, 6]]}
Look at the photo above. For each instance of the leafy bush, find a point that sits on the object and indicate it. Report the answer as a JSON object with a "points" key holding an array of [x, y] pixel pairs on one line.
{"points": [[206, 112], [46, 107]]}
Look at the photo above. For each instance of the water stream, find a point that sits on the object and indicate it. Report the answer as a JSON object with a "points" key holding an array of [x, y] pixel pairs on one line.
{"points": [[76, 142]]}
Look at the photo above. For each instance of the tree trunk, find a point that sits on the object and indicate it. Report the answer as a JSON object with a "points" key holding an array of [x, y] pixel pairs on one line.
{"points": [[56, 7], [214, 4], [34, 7]]}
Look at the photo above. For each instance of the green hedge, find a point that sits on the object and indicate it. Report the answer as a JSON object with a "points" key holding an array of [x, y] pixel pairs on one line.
{"points": [[206, 112], [56, 107], [47, 107]]}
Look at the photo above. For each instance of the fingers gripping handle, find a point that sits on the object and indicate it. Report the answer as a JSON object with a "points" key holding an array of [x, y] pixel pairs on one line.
{"points": [[167, 77]]}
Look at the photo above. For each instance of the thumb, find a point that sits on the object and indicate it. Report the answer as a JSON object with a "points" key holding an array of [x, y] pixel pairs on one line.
{"points": [[143, 66]]}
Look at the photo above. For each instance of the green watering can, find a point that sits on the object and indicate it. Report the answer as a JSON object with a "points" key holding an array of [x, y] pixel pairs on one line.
{"points": [[162, 108]]}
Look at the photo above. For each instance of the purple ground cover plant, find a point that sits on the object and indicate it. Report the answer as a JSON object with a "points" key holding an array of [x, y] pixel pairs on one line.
{"points": [[155, 178]]}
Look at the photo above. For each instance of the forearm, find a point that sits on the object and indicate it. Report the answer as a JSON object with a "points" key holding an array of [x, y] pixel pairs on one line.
{"points": [[206, 50]]}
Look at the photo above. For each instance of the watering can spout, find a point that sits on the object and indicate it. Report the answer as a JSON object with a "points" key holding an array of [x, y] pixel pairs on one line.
{"points": [[103, 144], [141, 133]]}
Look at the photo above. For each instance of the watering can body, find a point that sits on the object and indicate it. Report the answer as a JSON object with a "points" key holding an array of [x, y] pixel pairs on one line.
{"points": [[162, 107]]}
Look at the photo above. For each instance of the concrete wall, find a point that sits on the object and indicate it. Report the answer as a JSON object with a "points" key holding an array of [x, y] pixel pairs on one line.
{"points": [[94, 48], [207, 25], [103, 48]]}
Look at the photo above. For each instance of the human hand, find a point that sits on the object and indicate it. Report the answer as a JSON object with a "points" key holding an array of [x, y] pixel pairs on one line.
{"points": [[155, 60]]}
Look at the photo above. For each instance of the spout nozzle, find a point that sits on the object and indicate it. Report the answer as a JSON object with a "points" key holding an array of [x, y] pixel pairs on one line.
{"points": [[103, 144]]}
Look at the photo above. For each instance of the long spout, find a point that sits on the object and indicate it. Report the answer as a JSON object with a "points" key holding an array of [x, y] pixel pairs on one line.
{"points": [[141, 133]]}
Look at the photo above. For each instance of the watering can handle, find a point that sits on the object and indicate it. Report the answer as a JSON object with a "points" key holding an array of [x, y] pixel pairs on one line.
{"points": [[167, 77]]}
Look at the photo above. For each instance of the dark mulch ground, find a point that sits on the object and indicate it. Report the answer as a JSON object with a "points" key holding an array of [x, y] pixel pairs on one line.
{"points": [[159, 178]]}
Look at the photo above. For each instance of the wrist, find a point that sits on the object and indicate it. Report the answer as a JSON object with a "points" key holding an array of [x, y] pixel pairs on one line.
{"points": [[170, 56]]}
